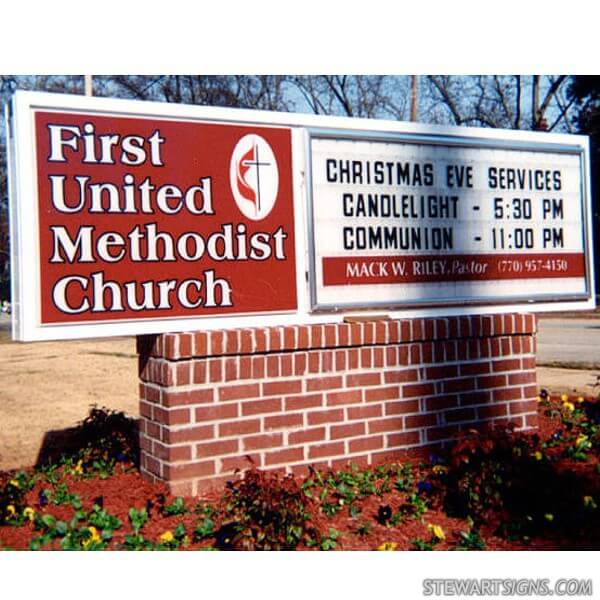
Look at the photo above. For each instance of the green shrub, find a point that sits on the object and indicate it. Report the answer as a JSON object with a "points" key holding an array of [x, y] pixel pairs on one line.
{"points": [[508, 477], [264, 511]]}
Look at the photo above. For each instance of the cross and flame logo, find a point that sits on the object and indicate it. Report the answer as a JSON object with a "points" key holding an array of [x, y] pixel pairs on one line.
{"points": [[254, 177]]}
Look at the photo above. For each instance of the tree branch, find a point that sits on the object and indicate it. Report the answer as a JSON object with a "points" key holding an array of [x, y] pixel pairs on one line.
{"points": [[447, 99], [550, 94]]}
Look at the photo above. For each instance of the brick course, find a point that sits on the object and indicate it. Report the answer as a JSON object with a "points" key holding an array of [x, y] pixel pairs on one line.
{"points": [[211, 402]]}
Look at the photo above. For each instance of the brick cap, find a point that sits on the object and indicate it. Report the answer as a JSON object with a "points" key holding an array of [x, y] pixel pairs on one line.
{"points": [[265, 340]]}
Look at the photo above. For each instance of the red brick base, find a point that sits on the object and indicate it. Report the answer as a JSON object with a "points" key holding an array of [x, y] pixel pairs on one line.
{"points": [[326, 395]]}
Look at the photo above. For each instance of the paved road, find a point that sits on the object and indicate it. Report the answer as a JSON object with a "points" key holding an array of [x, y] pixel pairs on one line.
{"points": [[569, 341]]}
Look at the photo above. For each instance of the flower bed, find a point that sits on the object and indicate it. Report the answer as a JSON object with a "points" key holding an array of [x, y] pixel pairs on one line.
{"points": [[495, 490]]}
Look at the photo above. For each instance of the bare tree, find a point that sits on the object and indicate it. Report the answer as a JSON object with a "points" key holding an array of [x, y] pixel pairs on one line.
{"points": [[500, 101], [367, 96], [264, 92]]}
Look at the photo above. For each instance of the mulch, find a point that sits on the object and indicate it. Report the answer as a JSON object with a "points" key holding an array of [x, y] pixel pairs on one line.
{"points": [[126, 489]]}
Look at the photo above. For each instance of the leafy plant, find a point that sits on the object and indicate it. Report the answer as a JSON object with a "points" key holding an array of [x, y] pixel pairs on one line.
{"points": [[395, 519], [329, 542], [204, 529], [51, 529], [336, 489], [22, 481], [470, 540], [415, 506], [102, 520], [100, 467], [177, 507], [265, 512], [483, 466], [110, 435], [60, 495], [72, 535], [420, 544], [136, 541], [104, 439], [12, 496], [330, 509], [50, 472], [505, 476], [579, 449], [138, 519], [363, 528], [84, 538], [404, 478], [208, 510], [172, 540], [326, 542]]}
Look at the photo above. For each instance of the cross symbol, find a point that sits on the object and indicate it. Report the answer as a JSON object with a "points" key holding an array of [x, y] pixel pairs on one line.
{"points": [[256, 163]]}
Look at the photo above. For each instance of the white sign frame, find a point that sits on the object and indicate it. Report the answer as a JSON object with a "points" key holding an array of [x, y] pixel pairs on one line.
{"points": [[577, 146], [26, 324]]}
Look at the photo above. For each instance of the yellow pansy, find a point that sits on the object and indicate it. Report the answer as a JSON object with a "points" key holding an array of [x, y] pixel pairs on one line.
{"points": [[564, 397], [436, 531], [538, 455], [14, 483], [580, 399], [167, 537], [94, 537], [569, 406], [10, 509], [388, 546], [581, 439], [588, 502], [29, 513], [79, 467]]}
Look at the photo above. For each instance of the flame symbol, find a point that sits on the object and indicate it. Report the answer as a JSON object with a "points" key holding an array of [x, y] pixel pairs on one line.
{"points": [[243, 166]]}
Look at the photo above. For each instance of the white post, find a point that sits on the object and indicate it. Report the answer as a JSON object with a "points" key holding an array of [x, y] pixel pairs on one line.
{"points": [[88, 90], [414, 83]]}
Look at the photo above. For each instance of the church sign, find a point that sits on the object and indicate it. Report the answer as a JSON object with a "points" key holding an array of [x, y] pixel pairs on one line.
{"points": [[131, 217]]}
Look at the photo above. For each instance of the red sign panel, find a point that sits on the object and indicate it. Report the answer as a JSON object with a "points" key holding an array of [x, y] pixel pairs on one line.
{"points": [[145, 218]]}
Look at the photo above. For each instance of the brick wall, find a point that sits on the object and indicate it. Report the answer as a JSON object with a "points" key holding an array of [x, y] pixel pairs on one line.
{"points": [[326, 394]]}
